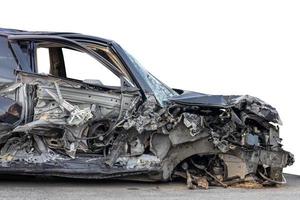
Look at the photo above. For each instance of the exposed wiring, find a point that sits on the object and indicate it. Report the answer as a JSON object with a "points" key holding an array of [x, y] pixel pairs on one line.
{"points": [[273, 181]]}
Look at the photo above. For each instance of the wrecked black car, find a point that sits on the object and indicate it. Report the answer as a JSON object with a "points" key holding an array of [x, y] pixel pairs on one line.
{"points": [[53, 123]]}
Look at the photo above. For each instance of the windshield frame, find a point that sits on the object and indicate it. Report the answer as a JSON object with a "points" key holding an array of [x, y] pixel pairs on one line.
{"points": [[160, 90]]}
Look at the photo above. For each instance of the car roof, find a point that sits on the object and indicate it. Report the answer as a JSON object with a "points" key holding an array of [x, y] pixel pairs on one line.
{"points": [[69, 35]]}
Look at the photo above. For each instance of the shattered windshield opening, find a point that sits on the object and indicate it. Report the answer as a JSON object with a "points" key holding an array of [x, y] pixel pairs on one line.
{"points": [[161, 91]]}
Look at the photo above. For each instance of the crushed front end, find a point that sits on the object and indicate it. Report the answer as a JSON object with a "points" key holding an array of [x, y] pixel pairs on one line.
{"points": [[243, 132]]}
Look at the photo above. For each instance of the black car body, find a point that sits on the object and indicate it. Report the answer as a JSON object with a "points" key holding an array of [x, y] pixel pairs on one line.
{"points": [[53, 125]]}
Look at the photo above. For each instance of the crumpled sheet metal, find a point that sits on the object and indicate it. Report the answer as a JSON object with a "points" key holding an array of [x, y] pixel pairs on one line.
{"points": [[246, 102], [129, 134]]}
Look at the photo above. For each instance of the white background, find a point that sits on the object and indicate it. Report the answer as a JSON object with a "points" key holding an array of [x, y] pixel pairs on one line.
{"points": [[216, 47]]}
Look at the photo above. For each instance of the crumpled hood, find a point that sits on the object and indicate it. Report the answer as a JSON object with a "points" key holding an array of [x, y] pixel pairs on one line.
{"points": [[245, 103]]}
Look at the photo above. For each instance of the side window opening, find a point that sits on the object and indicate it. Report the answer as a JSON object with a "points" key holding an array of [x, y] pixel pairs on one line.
{"points": [[69, 63], [43, 60], [8, 62]]}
